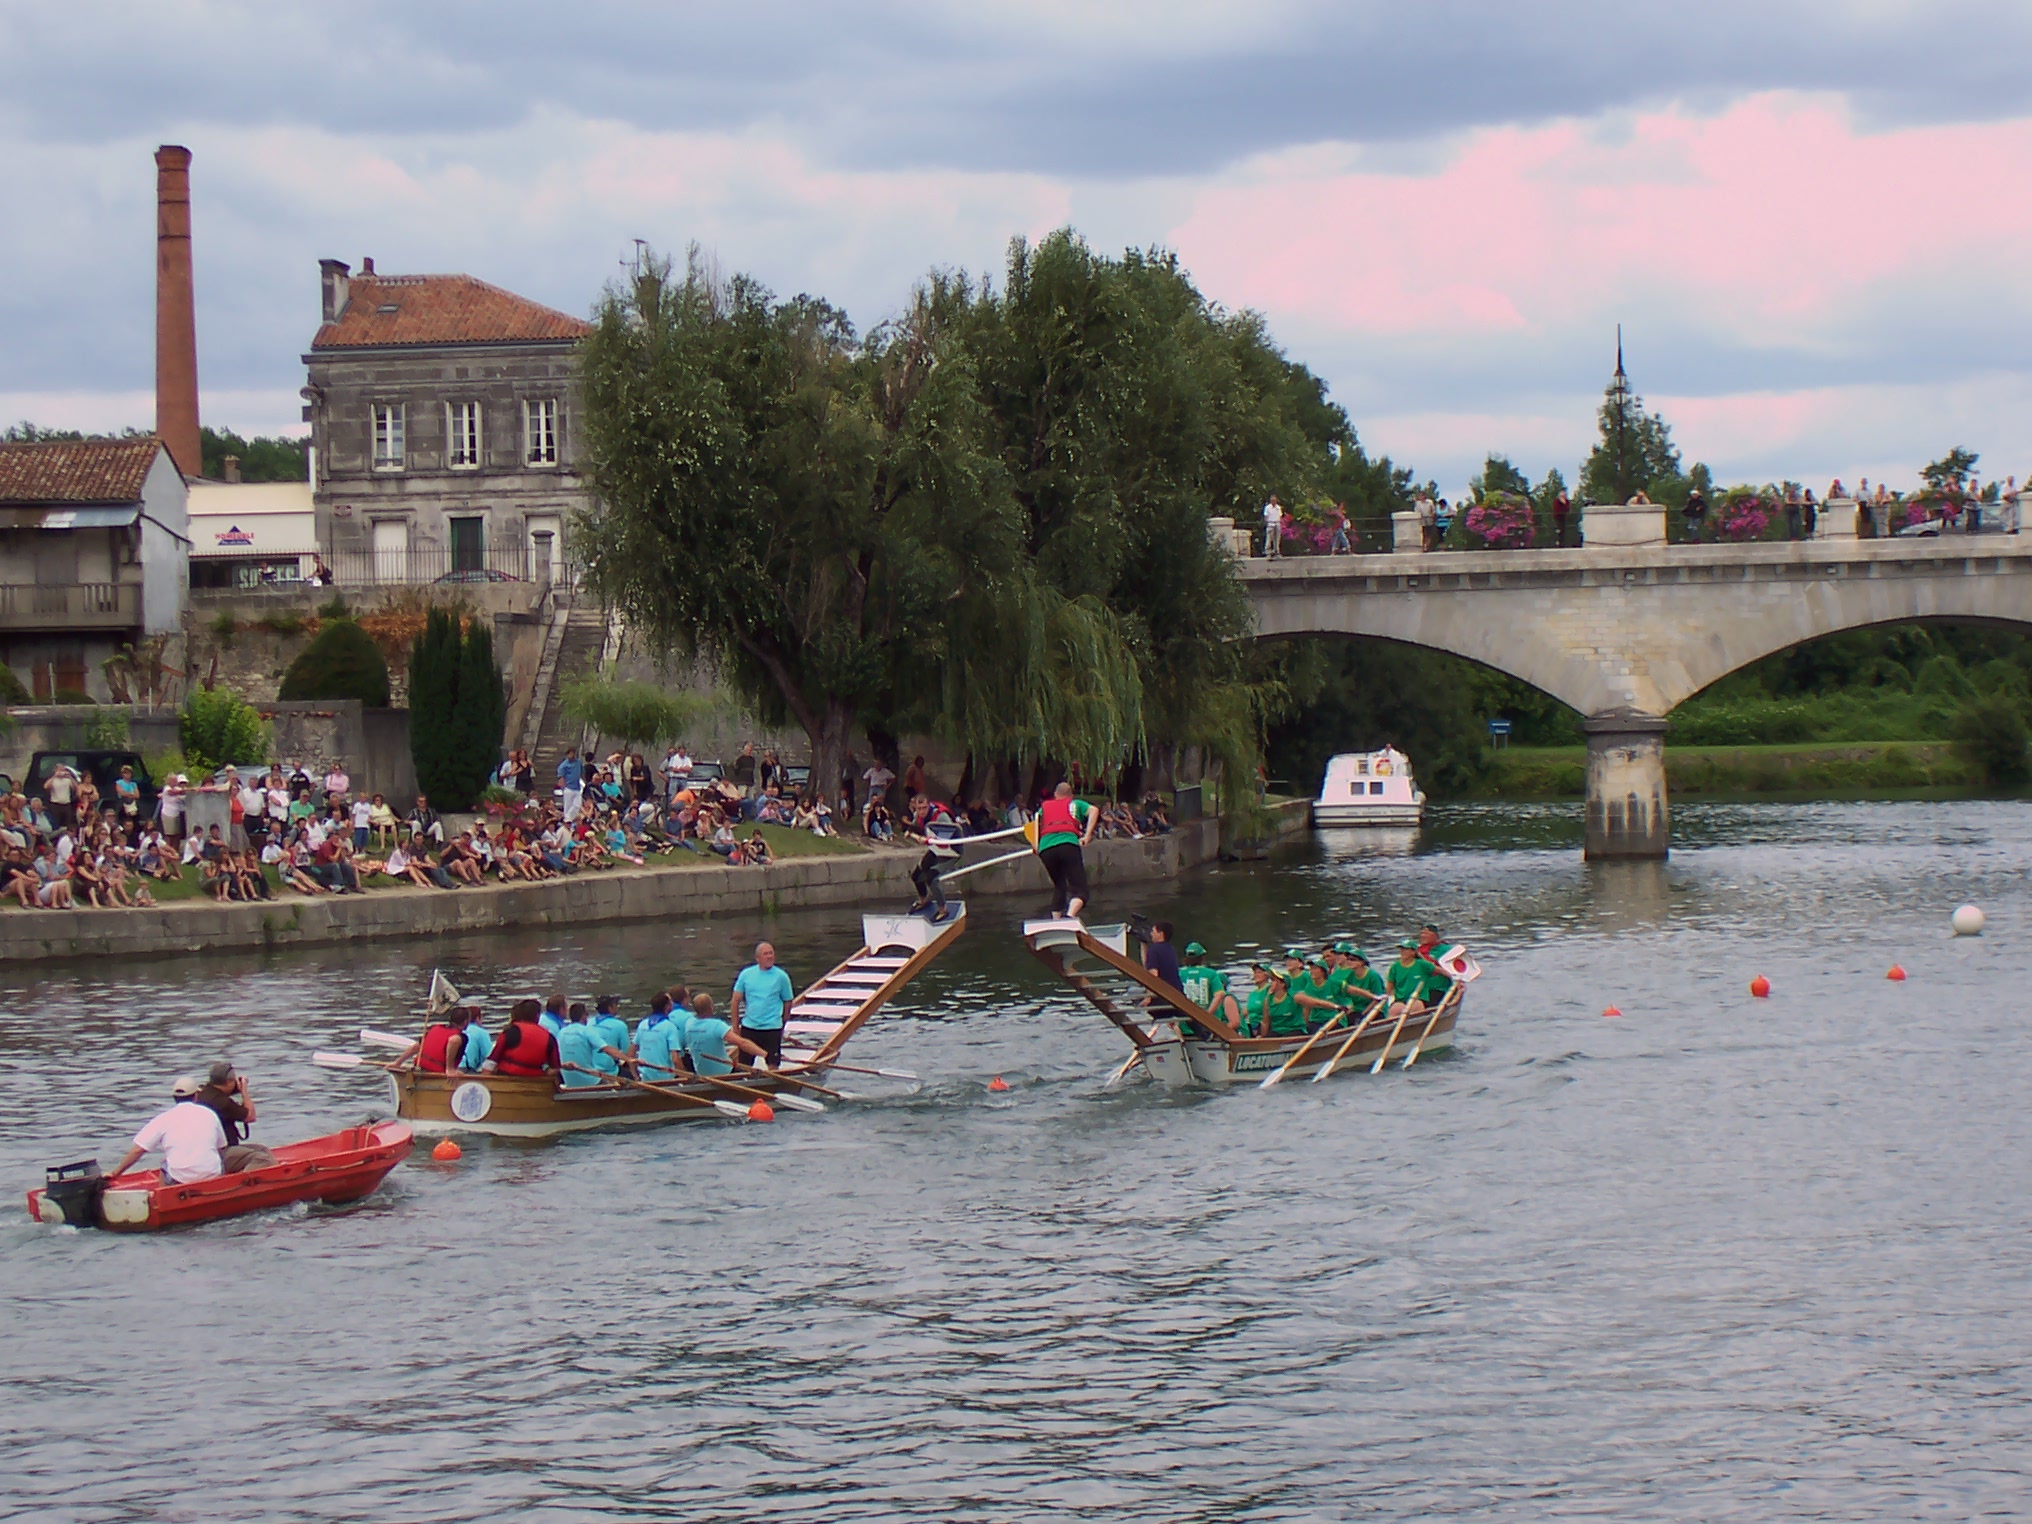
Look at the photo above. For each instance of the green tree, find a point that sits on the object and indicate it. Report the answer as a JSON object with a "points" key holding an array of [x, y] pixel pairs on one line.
{"points": [[433, 685], [479, 712], [1635, 450], [262, 459], [1990, 735], [862, 540], [217, 727], [341, 662], [1951, 472], [638, 713]]}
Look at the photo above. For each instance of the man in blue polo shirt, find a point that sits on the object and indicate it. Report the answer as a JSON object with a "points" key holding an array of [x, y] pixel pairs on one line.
{"points": [[761, 995], [611, 1033], [578, 1047], [707, 1039], [653, 1036]]}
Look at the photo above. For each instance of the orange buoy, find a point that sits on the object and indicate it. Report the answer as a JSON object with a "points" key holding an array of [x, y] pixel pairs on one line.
{"points": [[998, 1084], [1760, 987], [446, 1151], [761, 1111], [1897, 974], [1612, 1011]]}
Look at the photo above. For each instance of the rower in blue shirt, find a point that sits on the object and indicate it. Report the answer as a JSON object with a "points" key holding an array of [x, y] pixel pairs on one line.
{"points": [[762, 994], [680, 1022], [579, 1045], [653, 1036], [553, 1018], [479, 1046], [707, 1038], [611, 1033]]}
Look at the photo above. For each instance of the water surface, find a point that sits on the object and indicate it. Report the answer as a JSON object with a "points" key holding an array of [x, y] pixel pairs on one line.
{"points": [[1715, 1259]]}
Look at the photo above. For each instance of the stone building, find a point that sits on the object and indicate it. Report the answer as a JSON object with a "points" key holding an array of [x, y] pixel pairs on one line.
{"points": [[444, 429], [94, 556]]}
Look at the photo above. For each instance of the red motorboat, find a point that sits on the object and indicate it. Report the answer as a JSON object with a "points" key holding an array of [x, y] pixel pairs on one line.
{"points": [[341, 1166]]}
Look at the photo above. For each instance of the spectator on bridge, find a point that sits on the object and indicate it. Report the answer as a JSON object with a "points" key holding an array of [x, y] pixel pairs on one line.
{"points": [[1273, 527], [1694, 511], [1562, 508], [1338, 518], [2010, 505], [1880, 512], [1792, 510], [1809, 515]]}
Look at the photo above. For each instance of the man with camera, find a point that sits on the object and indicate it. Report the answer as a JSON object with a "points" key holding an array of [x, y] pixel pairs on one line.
{"points": [[225, 1092]]}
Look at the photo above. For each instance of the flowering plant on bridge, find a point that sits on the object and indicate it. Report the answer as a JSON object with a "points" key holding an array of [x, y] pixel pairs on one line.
{"points": [[1501, 521], [1745, 515]]}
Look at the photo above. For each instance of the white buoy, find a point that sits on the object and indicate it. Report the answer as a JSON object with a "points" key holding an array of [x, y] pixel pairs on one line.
{"points": [[1968, 922]]}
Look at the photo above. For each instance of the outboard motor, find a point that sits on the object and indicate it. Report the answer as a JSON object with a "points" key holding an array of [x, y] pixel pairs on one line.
{"points": [[75, 1189]]}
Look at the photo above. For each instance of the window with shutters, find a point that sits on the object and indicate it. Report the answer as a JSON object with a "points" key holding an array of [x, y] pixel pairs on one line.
{"points": [[539, 431], [462, 436]]}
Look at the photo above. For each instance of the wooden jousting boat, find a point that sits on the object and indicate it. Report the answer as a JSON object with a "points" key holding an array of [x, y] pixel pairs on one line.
{"points": [[1097, 963], [341, 1166], [896, 949]]}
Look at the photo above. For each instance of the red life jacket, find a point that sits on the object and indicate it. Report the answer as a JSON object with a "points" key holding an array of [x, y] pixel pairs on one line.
{"points": [[523, 1049], [434, 1057], [1056, 816]]}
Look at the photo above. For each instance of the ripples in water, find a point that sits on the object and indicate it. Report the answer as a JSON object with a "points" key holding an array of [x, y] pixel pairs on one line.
{"points": [[1717, 1259]]}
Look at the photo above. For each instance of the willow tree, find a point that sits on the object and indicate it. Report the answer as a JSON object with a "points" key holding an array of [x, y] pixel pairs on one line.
{"points": [[1126, 409], [825, 516]]}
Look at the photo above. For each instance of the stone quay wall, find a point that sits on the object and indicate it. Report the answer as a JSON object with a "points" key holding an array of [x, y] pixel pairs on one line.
{"points": [[877, 879]]}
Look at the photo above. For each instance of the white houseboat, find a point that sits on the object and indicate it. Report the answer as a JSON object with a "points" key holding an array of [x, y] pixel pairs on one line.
{"points": [[1369, 788]]}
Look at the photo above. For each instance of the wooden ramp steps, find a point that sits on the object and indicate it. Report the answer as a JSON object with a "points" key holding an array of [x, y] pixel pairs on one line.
{"points": [[898, 948]]}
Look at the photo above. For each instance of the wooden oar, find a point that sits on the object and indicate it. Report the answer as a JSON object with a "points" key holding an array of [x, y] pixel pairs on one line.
{"points": [[725, 1108], [369, 1038], [1380, 1003], [1437, 1011], [347, 1061], [1381, 1058], [793, 1102], [789, 1078], [902, 1074], [1273, 1079]]}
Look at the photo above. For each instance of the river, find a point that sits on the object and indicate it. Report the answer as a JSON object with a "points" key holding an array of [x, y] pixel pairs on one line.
{"points": [[1718, 1258]]}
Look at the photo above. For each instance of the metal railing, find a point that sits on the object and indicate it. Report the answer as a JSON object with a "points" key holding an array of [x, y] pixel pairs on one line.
{"points": [[70, 606], [500, 561]]}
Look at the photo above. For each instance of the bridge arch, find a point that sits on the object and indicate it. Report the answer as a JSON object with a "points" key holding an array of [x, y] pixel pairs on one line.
{"points": [[1626, 634]]}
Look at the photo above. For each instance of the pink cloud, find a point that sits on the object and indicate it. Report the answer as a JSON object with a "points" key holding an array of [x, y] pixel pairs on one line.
{"points": [[1773, 221]]}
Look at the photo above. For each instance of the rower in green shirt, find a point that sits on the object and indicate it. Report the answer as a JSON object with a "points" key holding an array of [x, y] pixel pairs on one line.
{"points": [[1206, 987], [1413, 983], [1314, 989], [1362, 983], [1284, 1011], [1256, 1014]]}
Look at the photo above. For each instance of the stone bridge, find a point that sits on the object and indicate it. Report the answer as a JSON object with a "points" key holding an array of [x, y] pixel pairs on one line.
{"points": [[1624, 631]]}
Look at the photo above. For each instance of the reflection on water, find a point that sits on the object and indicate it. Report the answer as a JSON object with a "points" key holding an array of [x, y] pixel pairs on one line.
{"points": [[1717, 1259]]}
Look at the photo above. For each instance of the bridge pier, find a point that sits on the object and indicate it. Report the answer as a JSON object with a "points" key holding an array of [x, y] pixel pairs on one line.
{"points": [[1626, 809]]}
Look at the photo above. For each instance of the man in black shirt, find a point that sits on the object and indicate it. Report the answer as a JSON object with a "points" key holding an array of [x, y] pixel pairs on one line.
{"points": [[225, 1092]]}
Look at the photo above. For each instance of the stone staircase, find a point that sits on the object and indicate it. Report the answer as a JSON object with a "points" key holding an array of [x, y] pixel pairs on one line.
{"points": [[572, 650]]}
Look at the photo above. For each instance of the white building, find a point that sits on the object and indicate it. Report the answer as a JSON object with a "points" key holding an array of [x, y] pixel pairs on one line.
{"points": [[251, 534]]}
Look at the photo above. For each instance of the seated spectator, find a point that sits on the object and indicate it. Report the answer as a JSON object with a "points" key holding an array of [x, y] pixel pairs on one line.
{"points": [[880, 826], [86, 880], [381, 820], [423, 821], [459, 860], [249, 881], [725, 841]]}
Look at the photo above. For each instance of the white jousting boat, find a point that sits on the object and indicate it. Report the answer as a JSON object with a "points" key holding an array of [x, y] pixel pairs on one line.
{"points": [[1368, 788]]}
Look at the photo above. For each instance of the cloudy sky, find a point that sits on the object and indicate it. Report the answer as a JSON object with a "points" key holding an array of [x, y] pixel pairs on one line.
{"points": [[1810, 217]]}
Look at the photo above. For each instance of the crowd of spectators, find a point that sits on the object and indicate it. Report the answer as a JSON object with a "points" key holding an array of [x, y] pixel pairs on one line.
{"points": [[286, 830]]}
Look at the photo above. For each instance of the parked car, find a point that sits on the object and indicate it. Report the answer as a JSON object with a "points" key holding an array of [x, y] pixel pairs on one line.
{"points": [[796, 776], [707, 772], [102, 767], [478, 574]]}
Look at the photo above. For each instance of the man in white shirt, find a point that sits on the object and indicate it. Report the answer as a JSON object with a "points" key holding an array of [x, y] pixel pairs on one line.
{"points": [[1273, 527], [192, 1141], [878, 778]]}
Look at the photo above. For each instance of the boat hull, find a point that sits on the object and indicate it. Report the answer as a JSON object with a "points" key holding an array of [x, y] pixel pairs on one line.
{"points": [[1193, 1065], [515, 1106], [342, 1166], [1330, 816]]}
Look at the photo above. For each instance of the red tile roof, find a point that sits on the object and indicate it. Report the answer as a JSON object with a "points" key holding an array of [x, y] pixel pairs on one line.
{"points": [[79, 471], [440, 309]]}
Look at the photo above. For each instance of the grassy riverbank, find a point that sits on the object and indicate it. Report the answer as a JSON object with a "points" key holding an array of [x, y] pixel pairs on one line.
{"points": [[1560, 772]]}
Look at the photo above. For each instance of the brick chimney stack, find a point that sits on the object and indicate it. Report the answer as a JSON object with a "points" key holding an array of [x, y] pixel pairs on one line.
{"points": [[176, 325]]}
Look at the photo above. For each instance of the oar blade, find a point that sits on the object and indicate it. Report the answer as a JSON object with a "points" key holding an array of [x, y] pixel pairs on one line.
{"points": [[369, 1038], [338, 1061], [729, 1109], [796, 1102]]}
